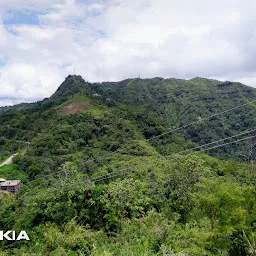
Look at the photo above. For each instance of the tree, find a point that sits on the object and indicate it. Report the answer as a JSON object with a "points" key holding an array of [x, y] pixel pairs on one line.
{"points": [[224, 204], [127, 198]]}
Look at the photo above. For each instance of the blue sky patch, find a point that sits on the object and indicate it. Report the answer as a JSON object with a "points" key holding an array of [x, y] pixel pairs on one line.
{"points": [[14, 17], [66, 65], [2, 63]]}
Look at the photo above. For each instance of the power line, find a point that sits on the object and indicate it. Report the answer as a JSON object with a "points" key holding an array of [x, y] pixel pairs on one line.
{"points": [[176, 129], [179, 128], [109, 177], [199, 121], [180, 152], [232, 142], [201, 146], [117, 173]]}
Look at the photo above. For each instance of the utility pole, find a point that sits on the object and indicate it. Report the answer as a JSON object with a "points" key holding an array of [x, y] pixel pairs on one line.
{"points": [[74, 71]]}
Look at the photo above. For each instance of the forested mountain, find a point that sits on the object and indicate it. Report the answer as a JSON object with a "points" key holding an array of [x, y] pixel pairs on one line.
{"points": [[101, 174]]}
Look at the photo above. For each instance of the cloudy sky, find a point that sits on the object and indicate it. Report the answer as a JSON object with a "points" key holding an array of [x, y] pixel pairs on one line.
{"points": [[42, 41]]}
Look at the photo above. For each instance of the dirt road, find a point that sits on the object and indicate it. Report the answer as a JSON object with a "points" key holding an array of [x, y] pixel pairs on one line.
{"points": [[9, 160]]}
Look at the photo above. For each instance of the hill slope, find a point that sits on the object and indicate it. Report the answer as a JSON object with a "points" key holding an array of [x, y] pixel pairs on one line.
{"points": [[97, 179], [152, 106]]}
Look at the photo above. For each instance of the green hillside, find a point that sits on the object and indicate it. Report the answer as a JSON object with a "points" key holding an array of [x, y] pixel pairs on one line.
{"points": [[101, 175]]}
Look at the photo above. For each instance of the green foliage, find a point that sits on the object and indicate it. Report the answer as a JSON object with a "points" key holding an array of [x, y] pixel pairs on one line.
{"points": [[95, 182], [222, 202], [68, 239], [229, 207], [2, 158], [12, 172], [123, 199], [180, 182], [143, 236]]}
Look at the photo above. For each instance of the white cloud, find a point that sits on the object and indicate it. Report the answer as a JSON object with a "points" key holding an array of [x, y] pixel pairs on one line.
{"points": [[116, 39], [34, 82]]}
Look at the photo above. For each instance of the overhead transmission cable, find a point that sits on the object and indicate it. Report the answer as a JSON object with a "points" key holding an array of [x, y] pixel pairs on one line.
{"points": [[117, 173], [184, 151], [214, 142], [217, 146], [179, 128], [201, 120]]}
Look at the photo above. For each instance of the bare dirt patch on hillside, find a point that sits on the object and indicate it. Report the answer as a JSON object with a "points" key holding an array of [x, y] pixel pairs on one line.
{"points": [[73, 108]]}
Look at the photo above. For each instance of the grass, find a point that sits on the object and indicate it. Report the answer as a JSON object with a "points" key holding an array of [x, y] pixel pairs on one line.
{"points": [[12, 172], [3, 158]]}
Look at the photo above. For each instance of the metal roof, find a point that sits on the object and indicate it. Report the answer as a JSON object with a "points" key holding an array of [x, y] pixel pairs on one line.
{"points": [[10, 183]]}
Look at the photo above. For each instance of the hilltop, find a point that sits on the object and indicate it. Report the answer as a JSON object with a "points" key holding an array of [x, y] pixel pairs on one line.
{"points": [[149, 106], [94, 160]]}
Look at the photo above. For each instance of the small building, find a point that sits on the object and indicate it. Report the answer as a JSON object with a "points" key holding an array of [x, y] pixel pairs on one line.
{"points": [[10, 185]]}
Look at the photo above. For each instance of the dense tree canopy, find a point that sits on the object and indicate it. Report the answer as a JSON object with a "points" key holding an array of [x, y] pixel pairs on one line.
{"points": [[98, 177]]}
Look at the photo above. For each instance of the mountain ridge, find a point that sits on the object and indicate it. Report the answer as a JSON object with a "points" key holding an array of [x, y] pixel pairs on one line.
{"points": [[155, 105], [92, 85], [119, 166]]}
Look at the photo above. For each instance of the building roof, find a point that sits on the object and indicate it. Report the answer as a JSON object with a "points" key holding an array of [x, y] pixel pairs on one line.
{"points": [[10, 183]]}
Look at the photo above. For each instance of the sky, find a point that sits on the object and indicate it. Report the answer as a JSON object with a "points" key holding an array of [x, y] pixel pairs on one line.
{"points": [[43, 41]]}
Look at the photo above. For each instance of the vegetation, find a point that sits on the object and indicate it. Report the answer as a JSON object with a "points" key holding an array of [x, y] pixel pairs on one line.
{"points": [[3, 158], [97, 178]]}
